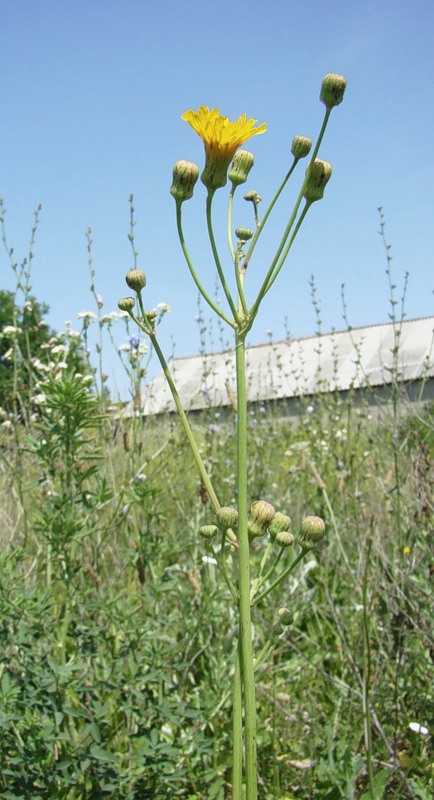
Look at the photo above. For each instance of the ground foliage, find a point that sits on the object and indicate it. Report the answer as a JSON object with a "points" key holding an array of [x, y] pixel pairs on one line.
{"points": [[118, 637]]}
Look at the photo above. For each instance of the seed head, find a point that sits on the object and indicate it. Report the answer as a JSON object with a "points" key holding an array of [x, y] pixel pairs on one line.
{"points": [[136, 280], [185, 175], [333, 89]]}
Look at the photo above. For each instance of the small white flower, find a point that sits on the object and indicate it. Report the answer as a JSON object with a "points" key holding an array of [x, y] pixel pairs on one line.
{"points": [[6, 424], [39, 399], [209, 560], [124, 348], [99, 301], [416, 727], [59, 348], [9, 329], [90, 315]]}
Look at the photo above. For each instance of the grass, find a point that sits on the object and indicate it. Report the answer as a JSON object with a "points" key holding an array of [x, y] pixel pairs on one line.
{"points": [[117, 639]]}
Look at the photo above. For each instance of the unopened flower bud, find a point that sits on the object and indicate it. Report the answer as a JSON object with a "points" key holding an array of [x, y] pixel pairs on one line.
{"points": [[126, 304], [280, 522], [319, 174], [241, 165], [185, 175], [252, 197], [312, 531], [285, 538], [300, 147], [152, 315], [243, 234], [262, 512], [208, 531], [136, 279], [227, 517], [285, 617], [255, 529], [332, 90]]}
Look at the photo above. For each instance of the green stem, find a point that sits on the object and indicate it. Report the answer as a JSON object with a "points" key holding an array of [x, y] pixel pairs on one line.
{"points": [[366, 691], [230, 207], [266, 284], [281, 578], [237, 730], [193, 273], [247, 668], [209, 200], [147, 328], [260, 226]]}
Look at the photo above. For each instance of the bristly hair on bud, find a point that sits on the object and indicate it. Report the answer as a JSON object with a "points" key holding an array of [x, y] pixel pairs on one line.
{"points": [[126, 304], [241, 165], [136, 279], [300, 147], [318, 175], [333, 90], [185, 175]]}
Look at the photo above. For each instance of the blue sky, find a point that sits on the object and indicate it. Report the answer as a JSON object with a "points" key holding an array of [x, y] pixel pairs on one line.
{"points": [[92, 94]]}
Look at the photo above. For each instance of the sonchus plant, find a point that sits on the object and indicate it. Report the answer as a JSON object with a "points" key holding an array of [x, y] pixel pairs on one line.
{"points": [[233, 530]]}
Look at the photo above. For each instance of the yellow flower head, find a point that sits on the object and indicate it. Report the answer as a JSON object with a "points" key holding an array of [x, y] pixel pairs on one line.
{"points": [[221, 138]]}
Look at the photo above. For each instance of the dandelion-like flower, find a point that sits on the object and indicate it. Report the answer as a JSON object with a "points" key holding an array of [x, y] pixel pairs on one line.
{"points": [[221, 138]]}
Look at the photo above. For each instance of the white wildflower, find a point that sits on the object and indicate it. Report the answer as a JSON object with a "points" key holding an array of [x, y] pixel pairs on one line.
{"points": [[10, 329], [416, 727], [87, 315]]}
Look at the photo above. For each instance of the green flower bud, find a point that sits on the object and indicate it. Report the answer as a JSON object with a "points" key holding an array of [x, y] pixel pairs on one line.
{"points": [[262, 512], [285, 617], [332, 90], [185, 175], [208, 531], [285, 538], [243, 234], [136, 279], [311, 532], [255, 529], [300, 147], [279, 523], [227, 517], [241, 165], [319, 174], [252, 197], [126, 304]]}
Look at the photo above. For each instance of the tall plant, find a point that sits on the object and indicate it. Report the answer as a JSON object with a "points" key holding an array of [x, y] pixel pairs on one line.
{"points": [[235, 528]]}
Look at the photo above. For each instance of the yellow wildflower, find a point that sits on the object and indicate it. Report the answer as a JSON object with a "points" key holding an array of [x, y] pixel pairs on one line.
{"points": [[407, 551], [221, 138]]}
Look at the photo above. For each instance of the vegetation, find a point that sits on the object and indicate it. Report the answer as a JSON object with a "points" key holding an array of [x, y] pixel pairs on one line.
{"points": [[124, 670]]}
